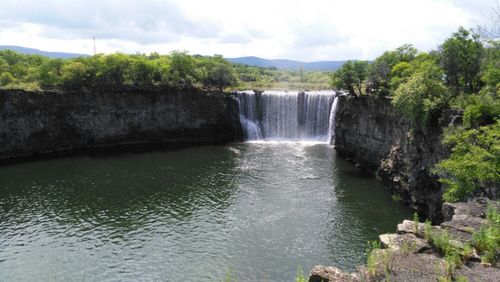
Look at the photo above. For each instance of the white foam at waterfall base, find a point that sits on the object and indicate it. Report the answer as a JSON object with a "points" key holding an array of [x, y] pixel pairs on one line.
{"points": [[287, 116]]}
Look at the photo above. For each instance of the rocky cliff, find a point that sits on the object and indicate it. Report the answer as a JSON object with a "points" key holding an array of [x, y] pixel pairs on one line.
{"points": [[44, 122], [369, 133]]}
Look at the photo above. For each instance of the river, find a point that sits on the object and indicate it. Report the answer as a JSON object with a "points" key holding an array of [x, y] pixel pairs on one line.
{"points": [[254, 210]]}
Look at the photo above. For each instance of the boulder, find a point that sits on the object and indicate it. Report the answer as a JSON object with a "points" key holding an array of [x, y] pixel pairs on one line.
{"points": [[408, 226], [321, 273], [405, 243]]}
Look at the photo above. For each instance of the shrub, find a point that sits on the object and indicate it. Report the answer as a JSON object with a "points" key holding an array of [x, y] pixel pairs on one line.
{"points": [[482, 110], [487, 239], [474, 161], [420, 99], [6, 78]]}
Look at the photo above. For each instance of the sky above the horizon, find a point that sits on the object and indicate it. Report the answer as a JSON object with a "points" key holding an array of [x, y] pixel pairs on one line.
{"points": [[308, 30]]}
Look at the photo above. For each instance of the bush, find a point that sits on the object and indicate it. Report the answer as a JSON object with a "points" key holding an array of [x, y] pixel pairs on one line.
{"points": [[218, 74], [6, 78], [474, 161], [487, 242], [380, 72], [482, 110], [487, 239], [74, 75], [181, 72], [351, 77], [421, 98]]}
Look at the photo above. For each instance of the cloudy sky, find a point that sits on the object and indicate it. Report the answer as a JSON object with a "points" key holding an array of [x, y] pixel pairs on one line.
{"points": [[292, 29]]}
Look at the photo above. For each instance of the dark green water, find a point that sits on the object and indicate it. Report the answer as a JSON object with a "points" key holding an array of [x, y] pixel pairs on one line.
{"points": [[257, 210]]}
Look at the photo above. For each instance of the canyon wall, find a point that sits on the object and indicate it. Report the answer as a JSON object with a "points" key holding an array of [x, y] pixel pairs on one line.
{"points": [[371, 134], [42, 122]]}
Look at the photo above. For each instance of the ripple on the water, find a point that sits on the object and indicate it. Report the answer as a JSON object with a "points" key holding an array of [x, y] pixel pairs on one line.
{"points": [[258, 209]]}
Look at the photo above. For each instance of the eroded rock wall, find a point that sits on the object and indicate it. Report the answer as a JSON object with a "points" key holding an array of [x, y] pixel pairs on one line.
{"points": [[43, 122], [369, 133]]}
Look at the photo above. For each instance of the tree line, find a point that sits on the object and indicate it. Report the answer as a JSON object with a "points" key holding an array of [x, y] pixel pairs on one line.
{"points": [[118, 71]]}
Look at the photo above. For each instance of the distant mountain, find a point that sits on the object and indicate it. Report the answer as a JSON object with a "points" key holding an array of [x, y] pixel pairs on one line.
{"points": [[288, 64], [31, 51]]}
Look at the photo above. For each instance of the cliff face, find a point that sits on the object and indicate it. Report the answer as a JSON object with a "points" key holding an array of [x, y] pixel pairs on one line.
{"points": [[43, 122], [370, 133]]}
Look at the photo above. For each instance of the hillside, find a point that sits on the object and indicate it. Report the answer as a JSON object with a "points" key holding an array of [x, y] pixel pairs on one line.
{"points": [[288, 64], [32, 51]]}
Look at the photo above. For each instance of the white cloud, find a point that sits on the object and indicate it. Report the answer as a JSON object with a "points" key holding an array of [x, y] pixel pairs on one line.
{"points": [[305, 30]]}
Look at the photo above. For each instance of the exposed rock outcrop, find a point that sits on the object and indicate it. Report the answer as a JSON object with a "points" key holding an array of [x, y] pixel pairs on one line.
{"points": [[408, 256], [44, 122], [370, 133]]}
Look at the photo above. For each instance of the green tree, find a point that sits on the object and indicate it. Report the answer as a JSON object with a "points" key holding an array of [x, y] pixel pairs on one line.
{"points": [[180, 73], [4, 66], [351, 77], [218, 74], [74, 75], [402, 71], [461, 57], [50, 72], [481, 110], [422, 97], [6, 78], [491, 72], [12, 57], [379, 75], [142, 72], [111, 69], [474, 162]]}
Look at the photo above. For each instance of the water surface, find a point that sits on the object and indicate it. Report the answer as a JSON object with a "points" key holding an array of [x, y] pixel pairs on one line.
{"points": [[256, 210]]}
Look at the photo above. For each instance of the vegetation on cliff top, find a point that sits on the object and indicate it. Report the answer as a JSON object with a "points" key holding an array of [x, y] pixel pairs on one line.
{"points": [[117, 71], [463, 74]]}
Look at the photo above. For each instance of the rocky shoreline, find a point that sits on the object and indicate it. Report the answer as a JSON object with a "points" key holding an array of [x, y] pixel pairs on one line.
{"points": [[409, 255]]}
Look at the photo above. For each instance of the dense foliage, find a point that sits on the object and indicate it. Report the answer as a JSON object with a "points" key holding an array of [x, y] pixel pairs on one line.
{"points": [[351, 76], [474, 161], [117, 71], [419, 92], [464, 74]]}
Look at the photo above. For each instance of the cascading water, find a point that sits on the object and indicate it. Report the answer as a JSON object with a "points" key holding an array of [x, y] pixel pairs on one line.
{"points": [[279, 115], [287, 115], [331, 127], [247, 102]]}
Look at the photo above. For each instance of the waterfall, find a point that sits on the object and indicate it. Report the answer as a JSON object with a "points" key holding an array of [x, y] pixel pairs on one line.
{"points": [[247, 102], [331, 128], [287, 115]]}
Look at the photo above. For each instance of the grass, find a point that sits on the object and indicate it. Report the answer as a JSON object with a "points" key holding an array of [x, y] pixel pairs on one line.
{"points": [[487, 239], [375, 259], [427, 230], [299, 277], [371, 259], [408, 248], [416, 222]]}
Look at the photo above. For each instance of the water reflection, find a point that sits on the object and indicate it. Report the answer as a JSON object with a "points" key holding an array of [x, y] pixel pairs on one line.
{"points": [[189, 214]]}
